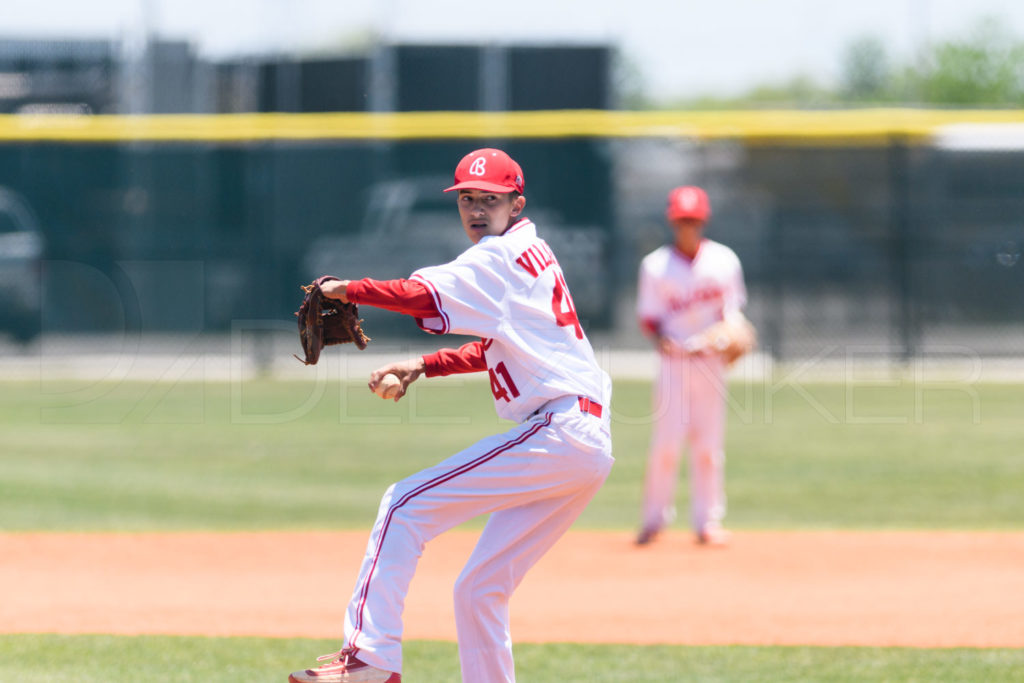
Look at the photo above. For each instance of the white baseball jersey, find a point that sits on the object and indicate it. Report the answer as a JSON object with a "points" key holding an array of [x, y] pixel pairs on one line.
{"points": [[510, 291], [684, 297]]}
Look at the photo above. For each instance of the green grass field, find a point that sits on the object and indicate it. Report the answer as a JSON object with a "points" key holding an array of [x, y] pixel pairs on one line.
{"points": [[288, 455], [103, 659]]}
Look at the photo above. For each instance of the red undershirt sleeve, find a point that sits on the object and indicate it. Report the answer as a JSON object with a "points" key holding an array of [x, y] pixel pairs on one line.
{"points": [[650, 326], [413, 298], [402, 296], [467, 358]]}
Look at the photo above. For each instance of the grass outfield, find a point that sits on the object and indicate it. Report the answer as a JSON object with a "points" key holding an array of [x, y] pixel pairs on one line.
{"points": [[106, 659], [146, 456]]}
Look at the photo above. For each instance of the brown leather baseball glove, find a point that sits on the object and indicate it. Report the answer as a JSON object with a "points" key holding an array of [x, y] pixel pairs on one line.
{"points": [[324, 322], [732, 339]]}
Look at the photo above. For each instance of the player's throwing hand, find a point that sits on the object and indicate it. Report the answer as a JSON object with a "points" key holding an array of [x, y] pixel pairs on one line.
{"points": [[407, 372]]}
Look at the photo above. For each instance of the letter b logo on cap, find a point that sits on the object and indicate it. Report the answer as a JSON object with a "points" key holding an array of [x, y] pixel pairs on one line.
{"points": [[479, 167]]}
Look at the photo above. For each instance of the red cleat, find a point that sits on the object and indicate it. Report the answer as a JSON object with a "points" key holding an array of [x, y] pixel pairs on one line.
{"points": [[344, 667]]}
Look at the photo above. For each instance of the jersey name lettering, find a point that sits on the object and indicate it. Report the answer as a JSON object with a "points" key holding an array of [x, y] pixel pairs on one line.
{"points": [[536, 259], [699, 296]]}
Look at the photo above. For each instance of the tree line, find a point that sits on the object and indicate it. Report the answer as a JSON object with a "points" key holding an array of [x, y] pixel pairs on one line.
{"points": [[982, 68]]}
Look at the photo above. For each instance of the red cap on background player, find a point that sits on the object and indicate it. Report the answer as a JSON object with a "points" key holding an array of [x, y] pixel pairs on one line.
{"points": [[490, 170], [688, 201]]}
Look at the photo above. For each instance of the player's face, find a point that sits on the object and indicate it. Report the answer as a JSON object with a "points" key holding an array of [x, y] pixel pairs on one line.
{"points": [[487, 213], [688, 234]]}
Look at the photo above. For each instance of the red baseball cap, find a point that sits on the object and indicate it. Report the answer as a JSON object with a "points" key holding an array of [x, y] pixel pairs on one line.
{"points": [[688, 201], [490, 170]]}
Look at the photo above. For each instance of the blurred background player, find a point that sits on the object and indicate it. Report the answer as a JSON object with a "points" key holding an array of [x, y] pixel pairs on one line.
{"points": [[534, 480], [684, 288]]}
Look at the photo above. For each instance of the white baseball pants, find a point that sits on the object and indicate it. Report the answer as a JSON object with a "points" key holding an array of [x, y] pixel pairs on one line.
{"points": [[534, 480], [688, 409]]}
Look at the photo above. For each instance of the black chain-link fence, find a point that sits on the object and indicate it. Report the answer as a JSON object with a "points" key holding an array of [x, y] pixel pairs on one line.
{"points": [[895, 249]]}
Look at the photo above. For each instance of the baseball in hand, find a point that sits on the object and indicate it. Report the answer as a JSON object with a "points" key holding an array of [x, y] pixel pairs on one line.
{"points": [[388, 386]]}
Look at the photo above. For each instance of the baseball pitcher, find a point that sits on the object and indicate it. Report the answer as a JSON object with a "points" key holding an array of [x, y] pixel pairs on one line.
{"points": [[533, 480]]}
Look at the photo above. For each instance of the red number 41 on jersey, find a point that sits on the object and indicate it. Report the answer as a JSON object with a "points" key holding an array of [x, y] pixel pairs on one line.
{"points": [[502, 384]]}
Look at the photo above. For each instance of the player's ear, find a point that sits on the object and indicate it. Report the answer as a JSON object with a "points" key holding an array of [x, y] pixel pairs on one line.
{"points": [[518, 204]]}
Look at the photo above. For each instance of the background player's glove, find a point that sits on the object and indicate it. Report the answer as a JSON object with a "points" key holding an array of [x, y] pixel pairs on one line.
{"points": [[732, 339], [324, 321]]}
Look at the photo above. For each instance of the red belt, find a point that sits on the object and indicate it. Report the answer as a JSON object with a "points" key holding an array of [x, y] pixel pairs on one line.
{"points": [[588, 406]]}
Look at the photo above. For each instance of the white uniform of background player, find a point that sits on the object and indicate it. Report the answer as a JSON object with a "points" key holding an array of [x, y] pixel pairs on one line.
{"points": [[684, 288], [534, 480]]}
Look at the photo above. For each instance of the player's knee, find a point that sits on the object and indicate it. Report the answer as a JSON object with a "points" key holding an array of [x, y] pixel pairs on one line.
{"points": [[385, 500], [472, 593], [708, 457], [666, 453]]}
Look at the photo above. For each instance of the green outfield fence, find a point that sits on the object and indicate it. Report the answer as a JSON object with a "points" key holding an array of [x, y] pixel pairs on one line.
{"points": [[890, 232]]}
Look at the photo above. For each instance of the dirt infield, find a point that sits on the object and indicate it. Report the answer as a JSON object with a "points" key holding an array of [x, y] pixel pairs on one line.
{"points": [[829, 588]]}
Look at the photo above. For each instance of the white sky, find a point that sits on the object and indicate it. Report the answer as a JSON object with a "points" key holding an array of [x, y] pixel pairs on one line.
{"points": [[682, 48]]}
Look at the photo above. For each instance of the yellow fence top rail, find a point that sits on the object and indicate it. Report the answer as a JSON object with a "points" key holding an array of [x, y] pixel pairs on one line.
{"points": [[859, 126]]}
